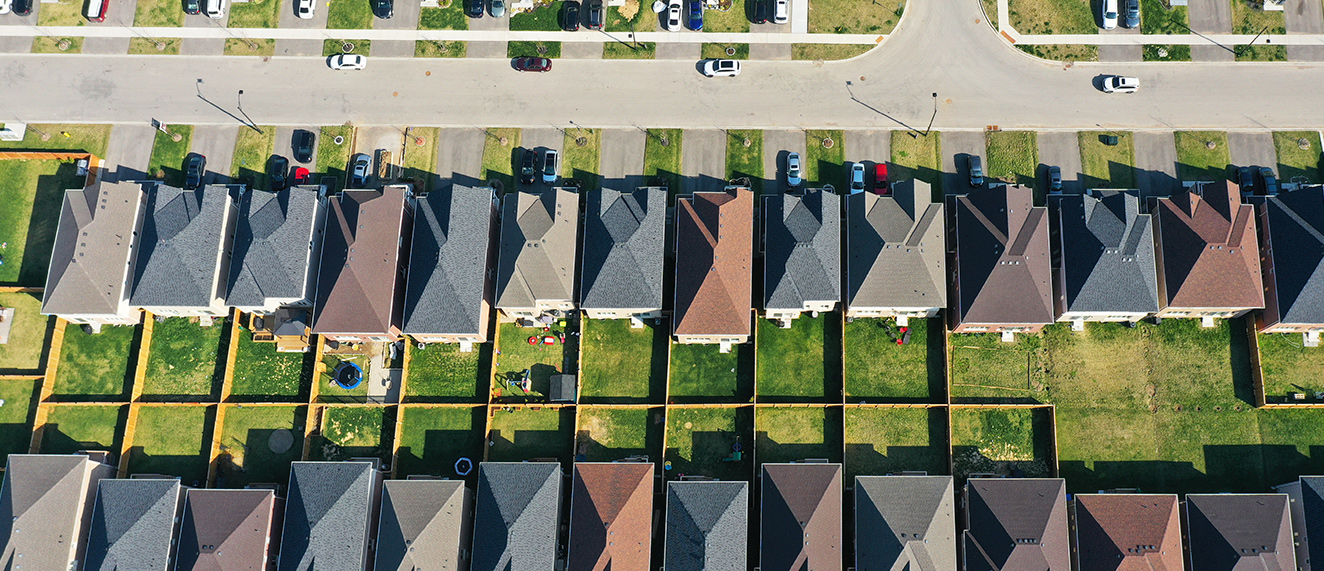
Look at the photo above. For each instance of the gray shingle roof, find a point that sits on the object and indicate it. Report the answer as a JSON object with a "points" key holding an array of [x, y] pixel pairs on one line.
{"points": [[99, 220], [802, 241], [1296, 236], [1312, 508], [896, 249], [1107, 255], [624, 243], [40, 506], [133, 525], [181, 243], [421, 525], [704, 520], [326, 516], [905, 520], [517, 516], [448, 262], [272, 246], [539, 240], [1239, 532]]}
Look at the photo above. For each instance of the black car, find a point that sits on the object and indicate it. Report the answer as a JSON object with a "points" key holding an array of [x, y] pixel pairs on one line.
{"points": [[1055, 178], [303, 146], [570, 16], [760, 11], [595, 14], [195, 166], [528, 167], [1270, 181], [474, 8], [1246, 179], [276, 169], [193, 7], [21, 7], [383, 9]]}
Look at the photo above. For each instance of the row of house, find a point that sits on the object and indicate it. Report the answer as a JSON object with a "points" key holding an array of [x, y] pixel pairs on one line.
{"points": [[67, 513]]}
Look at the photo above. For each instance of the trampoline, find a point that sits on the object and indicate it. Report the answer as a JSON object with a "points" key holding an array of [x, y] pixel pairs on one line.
{"points": [[347, 376]]}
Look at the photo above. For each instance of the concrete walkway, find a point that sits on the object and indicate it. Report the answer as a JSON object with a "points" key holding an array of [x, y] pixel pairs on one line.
{"points": [[217, 33]]}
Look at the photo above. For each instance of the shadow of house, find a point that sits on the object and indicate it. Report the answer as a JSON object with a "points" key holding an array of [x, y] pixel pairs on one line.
{"points": [[442, 449]]}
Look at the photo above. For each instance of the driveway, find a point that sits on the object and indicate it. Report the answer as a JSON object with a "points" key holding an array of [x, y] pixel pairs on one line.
{"points": [[1304, 17], [289, 20], [1156, 164], [129, 152], [1120, 53], [1211, 17], [869, 147], [541, 140], [120, 13], [622, 159], [369, 140], [778, 144], [957, 148], [460, 157], [772, 51], [205, 46], [19, 44], [1252, 149], [285, 145], [674, 50], [405, 18], [216, 142], [1060, 149], [703, 160]]}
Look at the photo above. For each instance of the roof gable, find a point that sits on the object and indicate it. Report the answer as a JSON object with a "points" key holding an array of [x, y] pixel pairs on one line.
{"points": [[133, 525], [800, 517], [714, 247], [101, 220], [1296, 227], [226, 530], [1239, 532], [896, 255], [517, 516], [802, 262], [624, 243], [1210, 255], [905, 522], [272, 245], [1016, 524], [703, 520], [326, 516], [1128, 532], [181, 244], [360, 259], [611, 516], [1107, 250], [1004, 269], [539, 239], [421, 525], [448, 262]]}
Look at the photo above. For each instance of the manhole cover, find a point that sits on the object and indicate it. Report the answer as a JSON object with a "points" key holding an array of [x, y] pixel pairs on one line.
{"points": [[730, 52], [280, 441], [338, 140]]}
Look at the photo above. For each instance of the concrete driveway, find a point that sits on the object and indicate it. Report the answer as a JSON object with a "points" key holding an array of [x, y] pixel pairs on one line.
{"points": [[205, 46], [1060, 149], [129, 152], [869, 147], [19, 44], [405, 18], [1211, 17], [289, 20], [120, 13], [369, 140], [957, 148], [1156, 163], [703, 160], [541, 140], [1252, 149], [1304, 17], [778, 144], [1120, 53], [460, 157], [622, 159], [285, 145], [216, 142]]}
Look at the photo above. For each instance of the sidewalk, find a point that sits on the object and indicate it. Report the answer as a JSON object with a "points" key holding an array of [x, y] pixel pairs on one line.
{"points": [[1161, 39]]}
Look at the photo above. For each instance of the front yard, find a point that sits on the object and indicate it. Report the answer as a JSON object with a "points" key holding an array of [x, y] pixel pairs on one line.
{"points": [[73, 427], [582, 162], [167, 161], [254, 14], [917, 158], [98, 365], [800, 364], [854, 17], [1052, 16], [622, 364], [795, 434], [1202, 155], [1250, 18], [499, 155], [1298, 155], [354, 432], [703, 374], [432, 438], [884, 440], [1107, 166], [609, 434], [185, 359], [877, 369], [173, 440], [439, 372], [515, 355], [252, 151], [333, 159], [29, 334], [348, 15], [1004, 441], [662, 156], [745, 160], [524, 434], [1013, 156], [264, 374], [713, 442], [824, 165], [258, 443]]}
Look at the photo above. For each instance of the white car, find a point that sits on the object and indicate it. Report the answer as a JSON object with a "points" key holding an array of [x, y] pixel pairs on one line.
{"points": [[347, 61], [721, 68], [673, 16], [1120, 84], [304, 9], [5, 6], [1108, 9], [781, 11]]}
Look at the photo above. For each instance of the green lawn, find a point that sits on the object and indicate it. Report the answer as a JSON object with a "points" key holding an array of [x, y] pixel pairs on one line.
{"points": [[250, 47], [643, 19], [252, 150], [719, 51], [98, 365], [425, 48], [662, 156], [828, 52], [70, 428], [1167, 52], [337, 46], [1290, 443], [348, 15], [734, 20], [543, 18], [249, 452], [420, 161], [33, 195], [703, 374], [854, 17], [883, 440], [499, 156], [173, 440], [154, 46], [167, 162], [333, 159], [167, 13], [611, 434], [433, 438], [329, 391], [1196, 161], [1013, 156], [1290, 367], [795, 434], [1157, 18], [743, 161], [262, 373], [449, 18], [701, 441], [800, 364], [533, 49], [29, 334], [619, 50], [1250, 18], [441, 373], [1298, 155], [1002, 440], [622, 364], [354, 432], [917, 158], [57, 45], [516, 355], [985, 369], [61, 14], [1107, 166], [254, 14], [1052, 17], [879, 370], [527, 434], [185, 358], [20, 398], [65, 137], [582, 162], [825, 165], [1062, 52]]}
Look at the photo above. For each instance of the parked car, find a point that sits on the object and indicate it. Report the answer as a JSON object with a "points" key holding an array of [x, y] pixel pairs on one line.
{"points": [[383, 9], [303, 145], [276, 169], [760, 11], [347, 62], [305, 8], [195, 166], [474, 8], [215, 8], [22, 7], [549, 160], [497, 8], [360, 167], [857, 176], [528, 166], [595, 14], [539, 64], [880, 185], [793, 170], [1108, 13], [1054, 178], [721, 68], [96, 10], [1270, 181], [1120, 84], [570, 16], [976, 171], [673, 16], [193, 7], [6, 6], [696, 15], [300, 176], [781, 11], [1132, 19], [1246, 179]]}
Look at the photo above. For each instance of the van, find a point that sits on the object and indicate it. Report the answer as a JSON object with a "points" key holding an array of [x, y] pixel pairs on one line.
{"points": [[96, 10], [216, 9], [1109, 9], [976, 172]]}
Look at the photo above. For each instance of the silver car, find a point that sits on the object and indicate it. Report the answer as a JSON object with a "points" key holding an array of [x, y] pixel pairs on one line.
{"points": [[497, 8], [793, 170], [359, 168]]}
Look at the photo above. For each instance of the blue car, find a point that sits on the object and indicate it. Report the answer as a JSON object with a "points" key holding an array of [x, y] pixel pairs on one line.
{"points": [[696, 15]]}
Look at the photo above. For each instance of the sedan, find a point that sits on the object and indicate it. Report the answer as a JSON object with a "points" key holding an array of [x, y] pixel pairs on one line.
{"points": [[497, 8], [673, 16], [696, 15], [880, 185], [1132, 19], [570, 16], [793, 170], [303, 145], [1055, 178], [195, 166], [344, 62], [539, 64], [549, 160], [1120, 84], [276, 169], [857, 176], [359, 168], [721, 68], [1270, 181], [1246, 179], [474, 8], [304, 9], [301, 176], [528, 167], [595, 14], [193, 7], [383, 9]]}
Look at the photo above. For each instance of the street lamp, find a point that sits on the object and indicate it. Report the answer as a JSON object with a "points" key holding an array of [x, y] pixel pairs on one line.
{"points": [[934, 116], [251, 125]]}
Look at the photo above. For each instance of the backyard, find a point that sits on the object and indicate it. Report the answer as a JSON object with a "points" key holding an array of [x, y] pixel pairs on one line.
{"points": [[531, 433], [1107, 166], [712, 442], [802, 363], [515, 355], [439, 372], [184, 358], [29, 334], [258, 442], [173, 440], [18, 405], [433, 438], [883, 440], [608, 434], [1290, 367], [877, 369], [354, 432], [623, 364], [73, 427], [262, 373], [96, 366], [984, 369], [798, 433], [329, 391], [703, 374], [1006, 441]]}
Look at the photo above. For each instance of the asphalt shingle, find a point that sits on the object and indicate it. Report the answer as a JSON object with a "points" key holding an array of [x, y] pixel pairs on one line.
{"points": [[802, 249], [448, 264], [896, 255], [1016, 524], [714, 251], [133, 525], [800, 517], [1239, 532], [704, 520], [1128, 532], [517, 516], [361, 259], [100, 220], [905, 522], [1107, 250], [422, 525], [326, 516], [624, 242], [273, 244], [1211, 258], [226, 530], [1004, 270], [42, 509], [1295, 232], [539, 241], [181, 245]]}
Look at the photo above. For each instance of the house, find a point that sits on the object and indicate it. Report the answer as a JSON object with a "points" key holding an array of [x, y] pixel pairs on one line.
{"points": [[277, 249], [184, 253], [611, 516], [905, 522], [46, 508], [1208, 261], [539, 239], [227, 530], [1292, 222], [1002, 278], [360, 286], [1127, 532], [624, 249], [1231, 532], [802, 254], [1306, 502], [517, 516], [1016, 524], [896, 261], [800, 517], [448, 297], [104, 220], [714, 247], [705, 518], [1103, 258], [329, 515], [425, 524], [134, 525]]}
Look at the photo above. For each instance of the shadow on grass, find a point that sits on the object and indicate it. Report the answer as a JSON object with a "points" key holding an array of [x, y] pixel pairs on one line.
{"points": [[46, 204], [442, 448], [1237, 468], [260, 464], [866, 460], [824, 445]]}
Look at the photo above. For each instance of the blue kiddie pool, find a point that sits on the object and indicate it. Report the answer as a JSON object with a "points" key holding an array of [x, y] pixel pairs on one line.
{"points": [[347, 376]]}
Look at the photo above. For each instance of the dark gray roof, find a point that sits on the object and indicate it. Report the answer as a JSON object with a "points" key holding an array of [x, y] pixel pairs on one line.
{"points": [[272, 245], [448, 262], [802, 241], [1004, 257], [1107, 253], [42, 499], [1296, 236], [1312, 507], [905, 522], [326, 516], [133, 525], [1239, 532], [1016, 524], [98, 220], [180, 246], [624, 242], [896, 248], [539, 241], [704, 520], [517, 516], [421, 525], [800, 522]]}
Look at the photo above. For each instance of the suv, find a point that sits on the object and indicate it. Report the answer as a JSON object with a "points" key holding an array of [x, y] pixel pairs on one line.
{"points": [[192, 7], [857, 177], [528, 167], [1132, 19], [383, 9], [595, 14], [549, 166], [793, 170], [1108, 13], [359, 169], [760, 11], [570, 16], [1246, 179], [781, 11], [1270, 181], [1121, 84], [303, 146], [276, 169], [721, 68], [195, 166], [880, 185], [304, 9], [976, 171]]}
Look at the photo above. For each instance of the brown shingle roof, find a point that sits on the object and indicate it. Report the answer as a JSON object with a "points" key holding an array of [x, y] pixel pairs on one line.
{"points": [[226, 530], [611, 510], [1128, 532], [1003, 266], [1016, 524], [714, 244], [357, 289], [1239, 532], [1210, 254], [800, 517]]}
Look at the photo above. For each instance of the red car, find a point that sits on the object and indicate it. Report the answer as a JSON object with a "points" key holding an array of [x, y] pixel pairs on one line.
{"points": [[300, 175], [880, 185], [539, 64]]}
